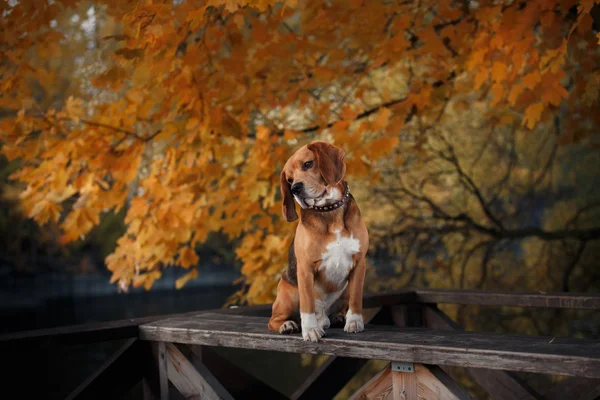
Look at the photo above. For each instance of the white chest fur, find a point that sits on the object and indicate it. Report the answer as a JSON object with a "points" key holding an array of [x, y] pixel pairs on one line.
{"points": [[337, 258]]}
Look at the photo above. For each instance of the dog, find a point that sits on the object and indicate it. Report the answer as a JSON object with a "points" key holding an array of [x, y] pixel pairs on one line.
{"points": [[327, 255]]}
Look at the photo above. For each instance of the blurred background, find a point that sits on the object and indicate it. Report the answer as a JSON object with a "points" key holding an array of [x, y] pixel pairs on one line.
{"points": [[141, 145]]}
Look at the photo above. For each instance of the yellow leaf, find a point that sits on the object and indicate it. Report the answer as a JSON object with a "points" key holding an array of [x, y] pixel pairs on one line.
{"points": [[74, 108], [141, 75], [258, 189], [481, 77], [289, 134], [498, 71], [179, 283], [340, 130], [349, 113], [554, 93], [532, 79], [533, 113], [498, 91], [262, 133], [383, 117], [382, 146], [112, 79], [45, 211], [188, 257], [515, 92]]}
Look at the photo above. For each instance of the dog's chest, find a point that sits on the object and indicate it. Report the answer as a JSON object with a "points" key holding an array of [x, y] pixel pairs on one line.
{"points": [[336, 260]]}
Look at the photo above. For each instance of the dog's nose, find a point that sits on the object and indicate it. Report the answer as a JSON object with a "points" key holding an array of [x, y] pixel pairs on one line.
{"points": [[297, 187]]}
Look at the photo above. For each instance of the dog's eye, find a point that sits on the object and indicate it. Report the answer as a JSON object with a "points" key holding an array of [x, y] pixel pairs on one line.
{"points": [[290, 180], [307, 165]]}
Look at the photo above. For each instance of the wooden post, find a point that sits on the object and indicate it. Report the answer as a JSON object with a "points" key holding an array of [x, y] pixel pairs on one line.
{"points": [[404, 385], [163, 371]]}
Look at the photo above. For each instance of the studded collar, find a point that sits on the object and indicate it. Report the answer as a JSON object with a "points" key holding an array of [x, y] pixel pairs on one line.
{"points": [[336, 205]]}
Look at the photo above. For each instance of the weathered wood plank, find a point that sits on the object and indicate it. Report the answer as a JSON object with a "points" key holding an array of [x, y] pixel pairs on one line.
{"points": [[499, 384], [434, 383], [193, 381], [119, 373], [583, 301], [562, 356], [575, 389]]}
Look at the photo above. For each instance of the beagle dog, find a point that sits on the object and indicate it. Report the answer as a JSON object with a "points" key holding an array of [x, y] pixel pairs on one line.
{"points": [[327, 255]]}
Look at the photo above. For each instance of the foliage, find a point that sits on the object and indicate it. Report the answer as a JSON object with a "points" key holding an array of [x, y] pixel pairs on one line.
{"points": [[183, 112]]}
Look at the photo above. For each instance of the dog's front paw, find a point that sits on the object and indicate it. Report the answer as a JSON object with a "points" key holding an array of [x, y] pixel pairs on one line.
{"points": [[313, 334], [311, 331], [288, 327], [354, 323], [324, 322]]}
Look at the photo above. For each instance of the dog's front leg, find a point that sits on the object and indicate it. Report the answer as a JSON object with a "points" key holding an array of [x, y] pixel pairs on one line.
{"points": [[354, 318], [310, 327]]}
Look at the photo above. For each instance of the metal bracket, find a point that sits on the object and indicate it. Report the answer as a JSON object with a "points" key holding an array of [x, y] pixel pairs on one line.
{"points": [[402, 367]]}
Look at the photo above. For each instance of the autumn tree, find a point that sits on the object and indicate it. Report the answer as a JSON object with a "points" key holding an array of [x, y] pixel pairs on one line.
{"points": [[188, 109]]}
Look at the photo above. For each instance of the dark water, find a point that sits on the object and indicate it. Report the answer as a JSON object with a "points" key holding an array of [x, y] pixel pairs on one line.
{"points": [[51, 372], [63, 311]]}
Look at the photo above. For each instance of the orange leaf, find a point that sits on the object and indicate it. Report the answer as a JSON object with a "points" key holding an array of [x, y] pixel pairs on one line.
{"points": [[532, 79], [499, 71], [179, 283], [498, 91], [383, 118], [533, 113], [188, 257]]}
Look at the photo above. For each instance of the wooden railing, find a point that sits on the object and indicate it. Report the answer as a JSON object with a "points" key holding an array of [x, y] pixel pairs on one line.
{"points": [[174, 352]]}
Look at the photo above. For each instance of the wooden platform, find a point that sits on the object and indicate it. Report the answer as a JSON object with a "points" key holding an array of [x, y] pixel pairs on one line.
{"points": [[174, 355], [561, 356]]}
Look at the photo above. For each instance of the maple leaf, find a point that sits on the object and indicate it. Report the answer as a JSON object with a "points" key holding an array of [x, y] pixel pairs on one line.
{"points": [[180, 282], [533, 113], [531, 80], [74, 108], [383, 118], [187, 257], [499, 71]]}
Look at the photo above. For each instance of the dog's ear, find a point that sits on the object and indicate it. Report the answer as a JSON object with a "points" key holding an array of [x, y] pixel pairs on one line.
{"points": [[288, 205], [330, 160]]}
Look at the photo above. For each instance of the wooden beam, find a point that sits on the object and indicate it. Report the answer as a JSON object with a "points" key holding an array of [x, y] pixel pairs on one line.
{"points": [[449, 384], [378, 387], [574, 389], [191, 381], [118, 374], [561, 356], [239, 383], [582, 301], [331, 377], [499, 384], [422, 383]]}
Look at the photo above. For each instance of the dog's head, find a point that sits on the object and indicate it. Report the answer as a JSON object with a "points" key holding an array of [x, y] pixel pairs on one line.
{"points": [[310, 177]]}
